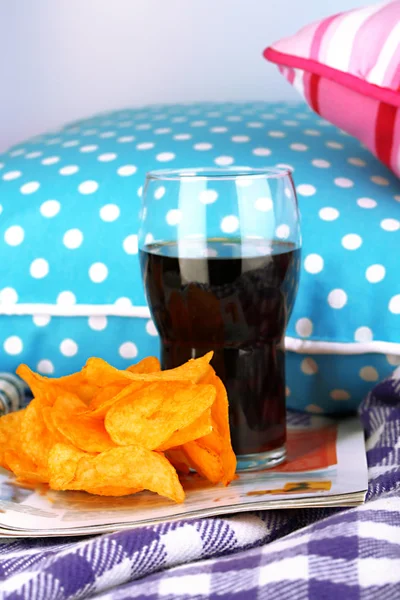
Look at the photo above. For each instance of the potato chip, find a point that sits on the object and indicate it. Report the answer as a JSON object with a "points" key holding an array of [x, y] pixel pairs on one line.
{"points": [[106, 394], [99, 371], [152, 415], [70, 417], [205, 461], [178, 459], [135, 466], [40, 385], [25, 469], [124, 392], [201, 427], [62, 463], [36, 439], [10, 435], [150, 364]]}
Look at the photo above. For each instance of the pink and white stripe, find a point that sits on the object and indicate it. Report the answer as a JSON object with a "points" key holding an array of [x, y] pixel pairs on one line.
{"points": [[347, 67]]}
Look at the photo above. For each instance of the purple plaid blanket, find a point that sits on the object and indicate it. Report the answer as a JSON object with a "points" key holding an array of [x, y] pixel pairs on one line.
{"points": [[317, 554]]}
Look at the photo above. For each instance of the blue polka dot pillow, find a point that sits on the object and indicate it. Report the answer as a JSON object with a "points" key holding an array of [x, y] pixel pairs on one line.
{"points": [[70, 279]]}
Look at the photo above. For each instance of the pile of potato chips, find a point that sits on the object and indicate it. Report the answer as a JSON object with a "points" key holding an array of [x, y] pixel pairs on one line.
{"points": [[114, 433]]}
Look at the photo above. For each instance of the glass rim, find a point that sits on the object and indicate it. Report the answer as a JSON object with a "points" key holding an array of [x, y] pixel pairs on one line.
{"points": [[218, 173]]}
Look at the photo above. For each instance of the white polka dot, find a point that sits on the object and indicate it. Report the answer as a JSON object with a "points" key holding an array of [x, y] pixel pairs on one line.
{"points": [[379, 180], [68, 347], [240, 139], [179, 119], [208, 196], [17, 152], [125, 139], [264, 204], [357, 162], [145, 146], [107, 157], [306, 189], [351, 241], [97, 322], [363, 334], [393, 360], [321, 163], [255, 125], [198, 123], [229, 224], [262, 152], [343, 182], [369, 374], [143, 127], [151, 328], [124, 304], [127, 170], [224, 161], [328, 214], [73, 238], [14, 235], [334, 145], [130, 244], [13, 345], [162, 130], [277, 134], [165, 156], [219, 129], [88, 148], [234, 118], [366, 202], [313, 263], [107, 134], [304, 327], [98, 272], [89, 132], [375, 273], [282, 231], [50, 208], [394, 305], [174, 216], [128, 350], [1, 209], [70, 143], [340, 395], [88, 187], [41, 320], [10, 175], [390, 224], [314, 408], [66, 298], [309, 366], [39, 268], [202, 146], [299, 147], [31, 155], [182, 137], [159, 193], [51, 160], [8, 296], [312, 132], [149, 239], [69, 170], [30, 187], [140, 191], [45, 367], [337, 298], [109, 212]]}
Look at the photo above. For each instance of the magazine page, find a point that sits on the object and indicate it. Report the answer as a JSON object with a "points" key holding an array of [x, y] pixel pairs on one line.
{"points": [[326, 466]]}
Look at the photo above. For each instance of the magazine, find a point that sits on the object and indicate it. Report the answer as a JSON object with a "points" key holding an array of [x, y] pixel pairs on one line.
{"points": [[326, 466]]}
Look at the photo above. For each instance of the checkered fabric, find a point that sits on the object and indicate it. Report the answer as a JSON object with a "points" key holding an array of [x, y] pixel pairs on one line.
{"points": [[317, 554]]}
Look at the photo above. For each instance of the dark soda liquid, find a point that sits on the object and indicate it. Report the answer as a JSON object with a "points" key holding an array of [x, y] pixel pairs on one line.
{"points": [[234, 298]]}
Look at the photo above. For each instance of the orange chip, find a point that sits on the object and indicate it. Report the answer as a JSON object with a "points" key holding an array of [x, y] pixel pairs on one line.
{"points": [[150, 364], [106, 394], [25, 469], [199, 428], [205, 461], [10, 434], [151, 416], [40, 385], [124, 392], [178, 459], [135, 466], [36, 439], [82, 430], [99, 371]]}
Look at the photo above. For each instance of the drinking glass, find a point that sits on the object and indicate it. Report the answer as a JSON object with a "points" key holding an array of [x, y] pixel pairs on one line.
{"points": [[220, 257]]}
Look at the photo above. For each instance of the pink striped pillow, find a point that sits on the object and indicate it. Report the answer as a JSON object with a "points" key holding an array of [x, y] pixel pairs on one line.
{"points": [[347, 67]]}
